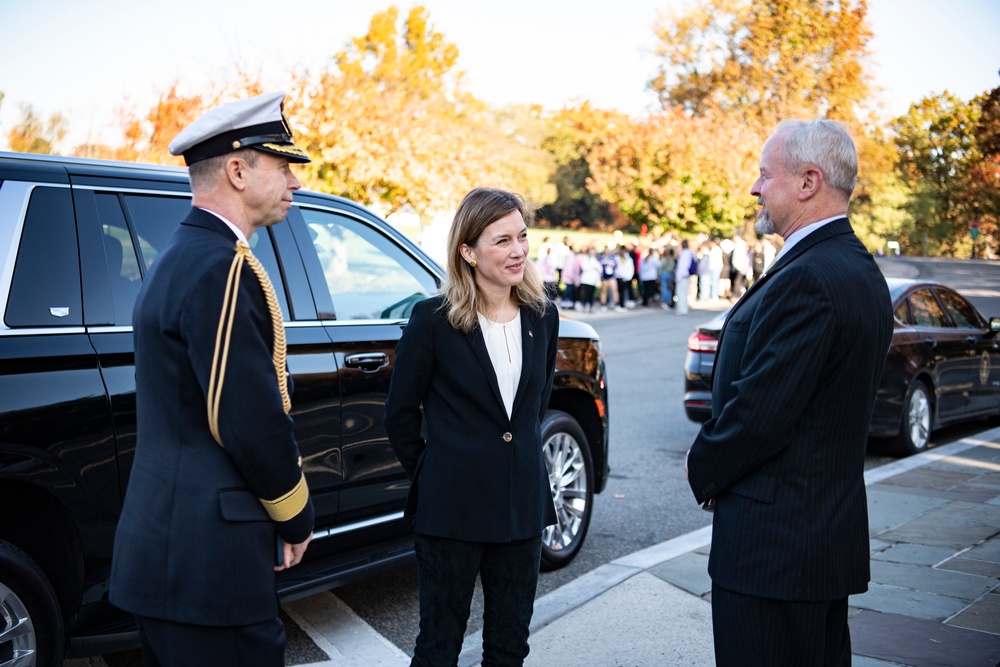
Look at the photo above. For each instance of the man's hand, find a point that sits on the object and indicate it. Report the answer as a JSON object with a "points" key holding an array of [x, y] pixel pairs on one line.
{"points": [[293, 553]]}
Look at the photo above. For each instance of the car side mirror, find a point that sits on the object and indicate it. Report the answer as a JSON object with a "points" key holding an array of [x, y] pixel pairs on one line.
{"points": [[994, 325]]}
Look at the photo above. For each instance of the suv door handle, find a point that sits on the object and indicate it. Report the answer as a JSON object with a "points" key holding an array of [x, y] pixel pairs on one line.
{"points": [[369, 362]]}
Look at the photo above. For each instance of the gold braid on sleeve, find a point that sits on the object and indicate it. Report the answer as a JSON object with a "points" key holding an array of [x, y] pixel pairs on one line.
{"points": [[224, 335]]}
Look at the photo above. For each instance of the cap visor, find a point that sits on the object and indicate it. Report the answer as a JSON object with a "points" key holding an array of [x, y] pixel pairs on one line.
{"points": [[290, 151]]}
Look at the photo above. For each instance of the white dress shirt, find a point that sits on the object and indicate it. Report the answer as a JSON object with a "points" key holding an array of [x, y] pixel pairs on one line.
{"points": [[503, 342]]}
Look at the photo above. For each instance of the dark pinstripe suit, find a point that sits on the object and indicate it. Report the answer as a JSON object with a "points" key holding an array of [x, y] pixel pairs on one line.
{"points": [[798, 367]]}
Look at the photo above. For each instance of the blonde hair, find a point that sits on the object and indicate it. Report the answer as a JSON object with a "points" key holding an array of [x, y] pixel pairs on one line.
{"points": [[479, 209]]}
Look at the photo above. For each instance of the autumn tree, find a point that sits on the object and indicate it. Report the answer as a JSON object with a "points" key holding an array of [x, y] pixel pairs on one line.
{"points": [[937, 147], [148, 134], [676, 171], [764, 61], [390, 124], [572, 134], [984, 175], [32, 134]]}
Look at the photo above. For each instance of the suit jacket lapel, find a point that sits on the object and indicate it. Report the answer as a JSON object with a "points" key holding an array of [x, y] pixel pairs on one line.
{"points": [[478, 343], [529, 322]]}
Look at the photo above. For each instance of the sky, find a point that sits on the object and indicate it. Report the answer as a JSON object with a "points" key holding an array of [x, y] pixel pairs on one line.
{"points": [[87, 58]]}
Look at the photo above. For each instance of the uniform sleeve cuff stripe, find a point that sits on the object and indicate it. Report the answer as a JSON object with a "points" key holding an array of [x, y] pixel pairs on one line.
{"points": [[289, 505]]}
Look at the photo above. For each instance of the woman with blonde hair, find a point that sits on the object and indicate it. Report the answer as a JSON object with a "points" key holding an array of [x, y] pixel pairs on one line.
{"points": [[479, 359]]}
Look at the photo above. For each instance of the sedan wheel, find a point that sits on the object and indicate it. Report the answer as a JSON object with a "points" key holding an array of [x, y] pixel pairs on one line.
{"points": [[915, 427], [571, 480]]}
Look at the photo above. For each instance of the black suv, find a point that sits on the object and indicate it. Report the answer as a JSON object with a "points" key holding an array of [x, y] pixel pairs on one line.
{"points": [[77, 237]]}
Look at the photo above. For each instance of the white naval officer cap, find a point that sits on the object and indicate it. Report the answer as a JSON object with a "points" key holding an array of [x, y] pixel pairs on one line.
{"points": [[256, 123]]}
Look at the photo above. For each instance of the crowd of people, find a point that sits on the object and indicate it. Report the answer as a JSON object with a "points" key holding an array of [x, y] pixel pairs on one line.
{"points": [[668, 274]]}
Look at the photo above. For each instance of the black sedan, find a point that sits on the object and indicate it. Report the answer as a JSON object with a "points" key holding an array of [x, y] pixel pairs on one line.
{"points": [[943, 366]]}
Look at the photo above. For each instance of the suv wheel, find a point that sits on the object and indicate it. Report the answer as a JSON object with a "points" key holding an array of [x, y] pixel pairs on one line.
{"points": [[571, 480], [31, 630]]}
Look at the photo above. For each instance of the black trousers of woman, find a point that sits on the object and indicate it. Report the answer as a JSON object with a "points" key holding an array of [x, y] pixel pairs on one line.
{"points": [[447, 571], [624, 292]]}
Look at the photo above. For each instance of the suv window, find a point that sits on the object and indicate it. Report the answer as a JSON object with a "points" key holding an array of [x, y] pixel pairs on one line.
{"points": [[123, 265], [369, 276], [45, 289], [156, 217]]}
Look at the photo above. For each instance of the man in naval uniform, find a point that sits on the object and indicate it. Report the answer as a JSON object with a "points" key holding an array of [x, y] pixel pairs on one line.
{"points": [[216, 500]]}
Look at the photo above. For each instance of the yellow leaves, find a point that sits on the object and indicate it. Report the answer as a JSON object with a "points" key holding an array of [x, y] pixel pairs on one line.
{"points": [[767, 60], [35, 135], [675, 169]]}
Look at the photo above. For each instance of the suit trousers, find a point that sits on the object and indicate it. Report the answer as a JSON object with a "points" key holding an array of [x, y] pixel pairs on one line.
{"points": [[171, 644], [760, 632], [447, 572]]}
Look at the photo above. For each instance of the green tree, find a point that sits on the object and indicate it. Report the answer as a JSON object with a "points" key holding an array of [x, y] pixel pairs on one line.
{"points": [[936, 146], [32, 134]]}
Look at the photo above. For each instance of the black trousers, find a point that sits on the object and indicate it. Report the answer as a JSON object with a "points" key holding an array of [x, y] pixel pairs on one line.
{"points": [[170, 644], [447, 572], [760, 632]]}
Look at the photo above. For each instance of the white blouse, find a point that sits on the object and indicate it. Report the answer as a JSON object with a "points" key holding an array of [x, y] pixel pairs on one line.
{"points": [[503, 342]]}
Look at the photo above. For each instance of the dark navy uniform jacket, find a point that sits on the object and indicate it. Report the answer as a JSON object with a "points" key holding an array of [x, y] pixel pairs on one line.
{"points": [[194, 543], [476, 474], [797, 370]]}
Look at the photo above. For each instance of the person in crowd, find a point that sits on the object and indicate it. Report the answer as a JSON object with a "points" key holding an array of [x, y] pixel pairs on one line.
{"points": [[624, 273], [590, 278], [216, 500], [571, 278], [560, 251], [704, 272], [475, 364], [757, 261], [609, 284], [726, 279], [687, 267], [781, 461], [649, 275], [740, 267], [634, 285], [716, 263], [668, 264], [546, 267]]}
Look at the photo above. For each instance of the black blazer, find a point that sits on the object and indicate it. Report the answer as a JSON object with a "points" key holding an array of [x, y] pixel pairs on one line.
{"points": [[194, 543], [476, 474], [798, 366]]}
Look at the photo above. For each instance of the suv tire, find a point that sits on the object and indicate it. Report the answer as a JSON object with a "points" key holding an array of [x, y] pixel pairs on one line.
{"points": [[571, 480], [30, 621]]}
